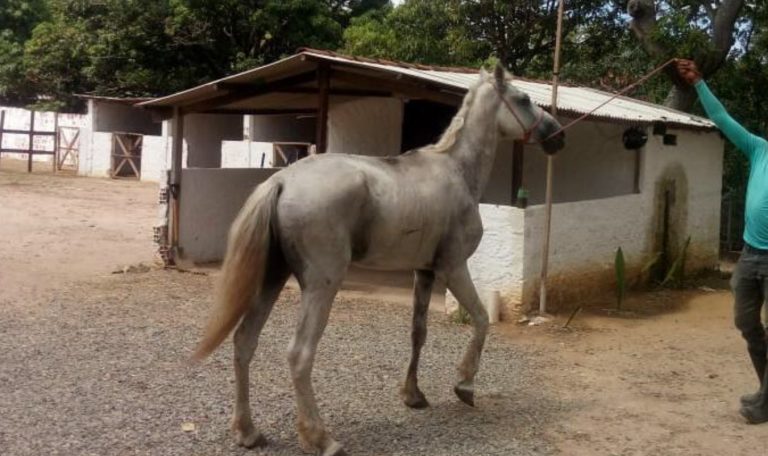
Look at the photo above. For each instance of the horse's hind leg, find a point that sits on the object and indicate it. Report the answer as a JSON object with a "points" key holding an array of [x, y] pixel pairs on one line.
{"points": [[245, 341], [318, 292], [422, 292], [460, 284]]}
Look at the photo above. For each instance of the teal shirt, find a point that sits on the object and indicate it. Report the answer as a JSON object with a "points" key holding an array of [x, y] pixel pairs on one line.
{"points": [[756, 150]]}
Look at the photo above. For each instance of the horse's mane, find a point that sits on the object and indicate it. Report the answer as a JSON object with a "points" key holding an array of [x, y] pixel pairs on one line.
{"points": [[448, 139]]}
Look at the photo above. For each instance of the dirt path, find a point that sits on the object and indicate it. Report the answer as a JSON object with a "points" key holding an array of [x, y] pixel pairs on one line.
{"points": [[60, 228], [654, 385], [90, 362]]}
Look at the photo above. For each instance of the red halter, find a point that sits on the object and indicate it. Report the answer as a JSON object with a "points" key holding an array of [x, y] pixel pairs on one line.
{"points": [[527, 131]]}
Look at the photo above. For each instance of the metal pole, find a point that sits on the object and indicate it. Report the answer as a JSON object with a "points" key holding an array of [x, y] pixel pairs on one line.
{"points": [[550, 167]]}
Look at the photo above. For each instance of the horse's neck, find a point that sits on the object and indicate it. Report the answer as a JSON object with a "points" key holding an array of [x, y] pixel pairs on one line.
{"points": [[475, 147]]}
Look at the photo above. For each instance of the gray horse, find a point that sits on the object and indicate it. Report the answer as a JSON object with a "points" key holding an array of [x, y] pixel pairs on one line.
{"points": [[417, 212]]}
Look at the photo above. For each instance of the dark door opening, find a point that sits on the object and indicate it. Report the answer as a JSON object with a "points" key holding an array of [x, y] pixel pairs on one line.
{"points": [[424, 122]]}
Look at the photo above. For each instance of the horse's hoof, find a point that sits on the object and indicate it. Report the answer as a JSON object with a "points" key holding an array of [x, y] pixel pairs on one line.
{"points": [[465, 394], [252, 440], [334, 449], [415, 400], [418, 404]]}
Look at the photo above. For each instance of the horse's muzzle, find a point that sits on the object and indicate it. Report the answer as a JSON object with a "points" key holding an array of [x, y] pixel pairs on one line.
{"points": [[554, 143]]}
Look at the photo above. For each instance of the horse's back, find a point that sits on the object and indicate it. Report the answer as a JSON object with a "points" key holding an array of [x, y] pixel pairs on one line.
{"points": [[378, 213]]}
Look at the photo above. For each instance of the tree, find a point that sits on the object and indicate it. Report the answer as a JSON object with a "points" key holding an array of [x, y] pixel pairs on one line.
{"points": [[700, 29], [152, 47], [420, 31], [464, 32], [17, 19]]}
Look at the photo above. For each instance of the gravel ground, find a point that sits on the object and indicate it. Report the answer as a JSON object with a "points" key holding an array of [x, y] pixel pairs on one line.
{"points": [[98, 369]]}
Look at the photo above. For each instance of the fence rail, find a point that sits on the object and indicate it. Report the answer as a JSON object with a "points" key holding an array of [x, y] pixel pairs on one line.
{"points": [[31, 133]]}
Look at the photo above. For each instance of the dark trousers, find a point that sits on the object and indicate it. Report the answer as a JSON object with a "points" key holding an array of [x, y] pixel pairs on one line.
{"points": [[750, 289]]}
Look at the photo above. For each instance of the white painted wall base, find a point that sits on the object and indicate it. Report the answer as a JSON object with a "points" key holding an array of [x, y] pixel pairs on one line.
{"points": [[210, 200]]}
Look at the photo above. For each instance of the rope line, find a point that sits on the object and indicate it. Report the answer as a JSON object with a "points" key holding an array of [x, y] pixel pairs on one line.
{"points": [[617, 95]]}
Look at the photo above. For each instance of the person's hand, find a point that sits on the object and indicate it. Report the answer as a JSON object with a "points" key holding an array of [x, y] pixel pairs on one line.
{"points": [[688, 71]]}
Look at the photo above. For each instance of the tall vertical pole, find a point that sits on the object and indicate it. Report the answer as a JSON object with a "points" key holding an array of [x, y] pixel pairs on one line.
{"points": [[2, 127], [550, 167], [56, 142], [323, 89], [177, 149], [31, 148]]}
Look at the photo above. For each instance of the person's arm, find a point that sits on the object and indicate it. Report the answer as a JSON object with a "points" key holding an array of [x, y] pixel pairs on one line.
{"points": [[745, 141], [734, 131]]}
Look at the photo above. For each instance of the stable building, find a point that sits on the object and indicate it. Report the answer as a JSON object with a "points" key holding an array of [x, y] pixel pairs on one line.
{"points": [[633, 174]]}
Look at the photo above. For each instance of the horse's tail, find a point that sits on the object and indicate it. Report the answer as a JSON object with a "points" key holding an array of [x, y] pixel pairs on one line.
{"points": [[242, 273]]}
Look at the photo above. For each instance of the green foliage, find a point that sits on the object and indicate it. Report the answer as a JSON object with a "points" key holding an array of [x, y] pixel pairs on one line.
{"points": [[17, 19], [460, 316], [422, 31], [153, 47], [621, 279]]}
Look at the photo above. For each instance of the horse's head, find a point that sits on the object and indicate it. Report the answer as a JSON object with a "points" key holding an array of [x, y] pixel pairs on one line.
{"points": [[521, 119]]}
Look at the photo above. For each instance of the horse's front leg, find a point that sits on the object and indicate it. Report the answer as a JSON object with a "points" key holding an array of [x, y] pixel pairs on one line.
{"points": [[460, 284], [422, 291]]}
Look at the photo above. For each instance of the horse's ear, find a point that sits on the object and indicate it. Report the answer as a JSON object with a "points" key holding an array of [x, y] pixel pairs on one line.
{"points": [[483, 74], [500, 74]]}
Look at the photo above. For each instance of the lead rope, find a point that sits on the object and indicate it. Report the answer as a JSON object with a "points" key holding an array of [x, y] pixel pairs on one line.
{"points": [[622, 92]]}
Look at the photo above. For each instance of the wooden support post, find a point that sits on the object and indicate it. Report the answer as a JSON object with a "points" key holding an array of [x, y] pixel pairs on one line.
{"points": [[517, 169], [550, 167], [2, 127], [31, 145], [323, 88], [638, 165], [55, 141], [177, 133]]}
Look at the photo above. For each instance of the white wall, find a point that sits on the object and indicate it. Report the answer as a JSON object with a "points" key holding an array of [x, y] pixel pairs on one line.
{"points": [[594, 164], [204, 134], [246, 154], [366, 126], [19, 119], [583, 243], [95, 153], [210, 200], [700, 156], [155, 157], [586, 234], [497, 264]]}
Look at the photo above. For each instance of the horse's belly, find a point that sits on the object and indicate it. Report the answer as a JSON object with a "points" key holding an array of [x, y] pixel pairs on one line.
{"points": [[411, 250]]}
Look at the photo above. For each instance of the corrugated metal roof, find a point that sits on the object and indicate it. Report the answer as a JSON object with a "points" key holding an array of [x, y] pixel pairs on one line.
{"points": [[577, 100], [572, 100]]}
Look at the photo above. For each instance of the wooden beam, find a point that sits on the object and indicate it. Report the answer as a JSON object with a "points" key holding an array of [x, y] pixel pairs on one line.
{"points": [[2, 125], [409, 89], [323, 85], [263, 112], [31, 140], [518, 151], [159, 114], [638, 168], [237, 92], [26, 132], [338, 92], [177, 148], [25, 151], [55, 140]]}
